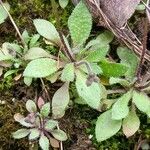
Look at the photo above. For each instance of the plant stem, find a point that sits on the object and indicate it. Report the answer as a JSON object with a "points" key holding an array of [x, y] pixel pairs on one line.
{"points": [[43, 84], [139, 70], [65, 49], [14, 24], [87, 66]]}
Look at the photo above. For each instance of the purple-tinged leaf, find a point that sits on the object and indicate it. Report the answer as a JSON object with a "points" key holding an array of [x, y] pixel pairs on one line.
{"points": [[131, 124], [40, 102]]}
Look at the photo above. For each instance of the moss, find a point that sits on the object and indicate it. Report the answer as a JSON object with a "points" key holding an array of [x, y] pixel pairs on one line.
{"points": [[8, 125], [23, 13]]}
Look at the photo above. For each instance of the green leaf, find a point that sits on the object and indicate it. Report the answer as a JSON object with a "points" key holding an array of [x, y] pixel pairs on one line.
{"points": [[140, 7], [26, 36], [54, 77], [34, 134], [63, 3], [5, 55], [80, 25], [47, 30], [106, 127], [50, 125], [39, 68], [101, 42], [142, 102], [129, 59], [131, 124], [105, 38], [31, 106], [91, 94], [10, 72], [68, 73], [36, 52], [123, 82], [45, 110], [94, 66], [120, 109], [21, 133], [97, 55], [111, 69], [13, 47], [59, 135], [60, 101], [34, 40], [3, 13], [28, 81], [44, 142]]}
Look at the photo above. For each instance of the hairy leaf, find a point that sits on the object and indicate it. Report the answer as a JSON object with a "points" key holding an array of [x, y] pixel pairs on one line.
{"points": [[44, 142], [45, 110], [80, 25], [34, 40], [131, 124], [63, 3], [25, 36], [41, 67], [104, 39], [59, 135], [3, 13], [28, 81], [36, 52], [94, 66], [50, 125], [31, 106], [106, 127], [120, 109], [129, 59], [97, 55], [142, 102], [22, 120], [101, 42], [91, 94], [47, 30], [60, 101], [68, 72], [34, 134], [21, 133], [111, 69], [123, 82]]}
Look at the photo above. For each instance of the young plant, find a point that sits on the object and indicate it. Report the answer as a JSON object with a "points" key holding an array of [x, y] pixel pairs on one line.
{"points": [[13, 56], [122, 112], [77, 61], [39, 126], [82, 61]]}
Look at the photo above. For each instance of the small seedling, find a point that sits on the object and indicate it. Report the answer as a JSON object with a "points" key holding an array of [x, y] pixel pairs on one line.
{"points": [[38, 124]]}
